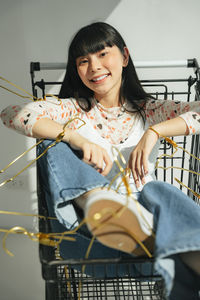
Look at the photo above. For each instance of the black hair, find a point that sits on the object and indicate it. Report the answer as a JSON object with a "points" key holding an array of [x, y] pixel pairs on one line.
{"points": [[91, 39]]}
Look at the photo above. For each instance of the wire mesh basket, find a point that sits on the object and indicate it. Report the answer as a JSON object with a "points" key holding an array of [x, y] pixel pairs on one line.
{"points": [[66, 279], [77, 286]]}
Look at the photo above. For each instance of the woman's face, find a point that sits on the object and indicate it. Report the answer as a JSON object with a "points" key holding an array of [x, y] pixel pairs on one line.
{"points": [[102, 71]]}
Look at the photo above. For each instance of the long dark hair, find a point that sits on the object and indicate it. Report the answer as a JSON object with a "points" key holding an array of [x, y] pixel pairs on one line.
{"points": [[91, 39]]}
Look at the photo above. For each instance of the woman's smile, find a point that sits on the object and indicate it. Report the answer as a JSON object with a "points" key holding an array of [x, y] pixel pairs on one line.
{"points": [[100, 79]]}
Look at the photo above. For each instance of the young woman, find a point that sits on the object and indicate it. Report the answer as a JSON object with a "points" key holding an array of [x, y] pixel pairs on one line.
{"points": [[102, 87]]}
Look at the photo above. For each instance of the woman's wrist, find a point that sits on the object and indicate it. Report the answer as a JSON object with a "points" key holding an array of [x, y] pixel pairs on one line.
{"points": [[67, 136], [172, 127], [155, 131], [73, 138]]}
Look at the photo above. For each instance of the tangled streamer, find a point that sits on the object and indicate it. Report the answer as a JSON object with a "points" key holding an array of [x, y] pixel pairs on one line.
{"points": [[176, 147], [123, 171], [54, 239]]}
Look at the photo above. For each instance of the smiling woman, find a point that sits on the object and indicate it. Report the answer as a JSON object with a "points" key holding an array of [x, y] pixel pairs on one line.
{"points": [[98, 41], [101, 87]]}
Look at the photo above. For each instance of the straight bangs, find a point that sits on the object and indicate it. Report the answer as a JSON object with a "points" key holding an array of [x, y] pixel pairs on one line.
{"points": [[90, 40], [88, 46]]}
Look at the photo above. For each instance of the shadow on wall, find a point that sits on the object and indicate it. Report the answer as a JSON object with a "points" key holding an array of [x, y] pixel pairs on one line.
{"points": [[37, 30], [42, 29]]}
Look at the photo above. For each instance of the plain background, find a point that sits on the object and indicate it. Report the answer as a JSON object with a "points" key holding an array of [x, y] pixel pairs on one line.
{"points": [[40, 30]]}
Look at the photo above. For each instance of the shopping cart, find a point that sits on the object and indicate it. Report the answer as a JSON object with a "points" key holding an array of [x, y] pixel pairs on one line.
{"points": [[64, 278]]}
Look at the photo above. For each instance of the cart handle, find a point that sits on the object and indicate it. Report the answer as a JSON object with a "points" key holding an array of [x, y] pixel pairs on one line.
{"points": [[187, 63]]}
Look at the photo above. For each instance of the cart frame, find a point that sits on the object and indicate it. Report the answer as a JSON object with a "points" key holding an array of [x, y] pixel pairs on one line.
{"points": [[62, 280]]}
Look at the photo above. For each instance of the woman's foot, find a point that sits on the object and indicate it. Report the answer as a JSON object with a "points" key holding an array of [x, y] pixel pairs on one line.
{"points": [[118, 222]]}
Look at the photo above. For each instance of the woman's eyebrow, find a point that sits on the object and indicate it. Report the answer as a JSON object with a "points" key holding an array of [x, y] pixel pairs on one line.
{"points": [[86, 55], [82, 56]]}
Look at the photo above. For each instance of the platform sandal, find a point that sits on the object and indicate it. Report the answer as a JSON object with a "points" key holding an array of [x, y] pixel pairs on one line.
{"points": [[119, 222]]}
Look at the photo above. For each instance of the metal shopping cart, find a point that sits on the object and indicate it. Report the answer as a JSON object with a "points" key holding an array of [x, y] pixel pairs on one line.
{"points": [[64, 278]]}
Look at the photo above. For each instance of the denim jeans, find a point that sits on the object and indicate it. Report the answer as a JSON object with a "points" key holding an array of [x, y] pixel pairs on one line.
{"points": [[176, 219]]}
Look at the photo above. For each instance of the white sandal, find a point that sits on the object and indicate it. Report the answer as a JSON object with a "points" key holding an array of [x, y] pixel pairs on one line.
{"points": [[118, 222]]}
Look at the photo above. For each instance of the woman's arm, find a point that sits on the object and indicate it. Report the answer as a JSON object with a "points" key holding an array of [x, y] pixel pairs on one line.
{"points": [[173, 127], [168, 118], [93, 154], [158, 111], [22, 118], [138, 161], [45, 119]]}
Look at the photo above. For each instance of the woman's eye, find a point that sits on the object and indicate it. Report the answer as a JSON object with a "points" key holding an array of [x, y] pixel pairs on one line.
{"points": [[103, 53], [84, 61]]}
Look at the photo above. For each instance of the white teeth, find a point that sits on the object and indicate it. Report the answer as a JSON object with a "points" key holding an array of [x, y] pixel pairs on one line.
{"points": [[100, 78]]}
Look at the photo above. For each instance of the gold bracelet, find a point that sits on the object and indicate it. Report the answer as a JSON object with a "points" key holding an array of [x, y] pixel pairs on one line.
{"points": [[158, 135]]}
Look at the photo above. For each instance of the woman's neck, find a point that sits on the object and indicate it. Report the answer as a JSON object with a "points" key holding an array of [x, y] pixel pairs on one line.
{"points": [[108, 102]]}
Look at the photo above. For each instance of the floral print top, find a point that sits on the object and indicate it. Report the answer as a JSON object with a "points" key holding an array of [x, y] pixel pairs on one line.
{"points": [[113, 124]]}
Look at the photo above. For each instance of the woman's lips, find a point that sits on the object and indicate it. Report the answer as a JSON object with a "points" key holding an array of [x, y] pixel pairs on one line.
{"points": [[99, 78]]}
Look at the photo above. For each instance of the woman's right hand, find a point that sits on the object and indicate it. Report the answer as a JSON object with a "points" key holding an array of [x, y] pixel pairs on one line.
{"points": [[93, 154]]}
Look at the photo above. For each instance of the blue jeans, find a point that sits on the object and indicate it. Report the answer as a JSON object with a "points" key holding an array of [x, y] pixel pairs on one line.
{"points": [[176, 219]]}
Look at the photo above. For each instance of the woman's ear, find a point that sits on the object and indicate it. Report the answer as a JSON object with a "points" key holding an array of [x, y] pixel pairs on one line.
{"points": [[125, 57]]}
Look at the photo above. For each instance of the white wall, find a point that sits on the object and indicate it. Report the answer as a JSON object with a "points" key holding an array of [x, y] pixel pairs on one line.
{"points": [[40, 30], [36, 30], [159, 30]]}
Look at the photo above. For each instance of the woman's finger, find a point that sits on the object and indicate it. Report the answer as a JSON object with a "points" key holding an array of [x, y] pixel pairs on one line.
{"points": [[97, 157], [145, 163], [135, 174], [141, 167], [87, 155], [139, 164], [108, 164]]}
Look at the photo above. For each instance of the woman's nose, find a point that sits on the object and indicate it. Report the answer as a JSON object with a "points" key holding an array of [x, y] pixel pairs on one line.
{"points": [[95, 65]]}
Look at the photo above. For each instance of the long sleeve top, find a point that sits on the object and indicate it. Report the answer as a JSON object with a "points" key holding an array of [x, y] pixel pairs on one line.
{"points": [[113, 124], [107, 127]]}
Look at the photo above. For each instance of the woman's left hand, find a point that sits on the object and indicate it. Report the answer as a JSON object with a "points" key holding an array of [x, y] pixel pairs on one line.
{"points": [[138, 160]]}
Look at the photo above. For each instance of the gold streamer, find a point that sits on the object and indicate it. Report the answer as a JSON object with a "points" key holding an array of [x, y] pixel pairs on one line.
{"points": [[54, 239], [125, 172], [181, 183], [174, 144], [31, 97], [58, 139], [14, 213], [47, 239], [96, 219], [20, 156]]}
